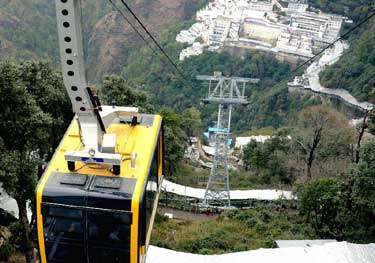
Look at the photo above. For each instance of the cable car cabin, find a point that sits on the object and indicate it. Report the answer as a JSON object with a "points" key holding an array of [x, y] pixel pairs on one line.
{"points": [[92, 215]]}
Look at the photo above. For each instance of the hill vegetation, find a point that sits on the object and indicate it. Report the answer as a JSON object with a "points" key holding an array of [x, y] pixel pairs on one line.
{"points": [[28, 30], [355, 10], [313, 152], [233, 231], [355, 70], [270, 103]]}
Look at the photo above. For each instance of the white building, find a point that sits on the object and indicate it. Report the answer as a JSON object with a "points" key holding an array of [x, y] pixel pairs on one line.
{"points": [[219, 31], [297, 7], [241, 22], [262, 6], [195, 50], [190, 35], [241, 142], [321, 27], [295, 44]]}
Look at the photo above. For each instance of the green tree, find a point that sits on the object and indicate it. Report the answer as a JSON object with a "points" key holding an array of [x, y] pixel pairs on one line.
{"points": [[269, 158], [46, 86], [24, 132], [344, 210], [322, 201], [192, 122], [361, 203], [118, 92], [174, 140], [254, 155], [322, 132]]}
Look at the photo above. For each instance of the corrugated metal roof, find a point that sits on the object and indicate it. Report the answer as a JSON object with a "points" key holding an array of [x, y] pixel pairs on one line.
{"points": [[335, 252], [265, 194], [303, 243]]}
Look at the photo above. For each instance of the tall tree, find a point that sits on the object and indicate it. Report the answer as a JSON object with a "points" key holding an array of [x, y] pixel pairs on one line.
{"points": [[24, 132], [46, 86], [34, 114], [118, 92], [361, 216], [360, 133], [192, 122], [343, 209], [322, 131], [174, 140]]}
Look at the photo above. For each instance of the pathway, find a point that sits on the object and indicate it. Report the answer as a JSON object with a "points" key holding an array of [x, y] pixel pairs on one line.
{"points": [[330, 57]]}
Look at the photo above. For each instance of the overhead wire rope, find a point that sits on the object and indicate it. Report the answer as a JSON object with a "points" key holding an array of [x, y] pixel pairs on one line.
{"points": [[131, 25], [162, 52], [182, 76], [154, 51]]}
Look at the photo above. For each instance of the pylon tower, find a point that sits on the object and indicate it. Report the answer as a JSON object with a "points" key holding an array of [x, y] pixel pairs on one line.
{"points": [[225, 92]]}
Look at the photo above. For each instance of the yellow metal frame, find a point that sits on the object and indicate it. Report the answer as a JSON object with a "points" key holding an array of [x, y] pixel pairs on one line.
{"points": [[139, 139]]}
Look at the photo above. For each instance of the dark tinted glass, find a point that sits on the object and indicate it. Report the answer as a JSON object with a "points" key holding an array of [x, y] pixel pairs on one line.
{"points": [[108, 255], [108, 237], [152, 188], [63, 233]]}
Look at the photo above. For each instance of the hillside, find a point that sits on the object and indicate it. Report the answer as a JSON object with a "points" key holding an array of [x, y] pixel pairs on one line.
{"points": [[28, 30], [355, 71], [355, 10]]}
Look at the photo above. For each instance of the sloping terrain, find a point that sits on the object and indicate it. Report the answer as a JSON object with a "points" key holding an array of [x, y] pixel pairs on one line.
{"points": [[112, 39], [28, 29]]}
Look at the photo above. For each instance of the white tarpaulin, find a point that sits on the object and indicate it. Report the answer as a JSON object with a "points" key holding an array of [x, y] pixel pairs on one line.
{"points": [[10, 205], [340, 252], [7, 203], [269, 194]]}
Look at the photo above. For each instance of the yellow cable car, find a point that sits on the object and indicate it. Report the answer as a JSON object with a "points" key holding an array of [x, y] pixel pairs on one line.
{"points": [[92, 215], [97, 199]]}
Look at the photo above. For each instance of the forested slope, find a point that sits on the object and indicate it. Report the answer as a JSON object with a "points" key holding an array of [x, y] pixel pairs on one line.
{"points": [[28, 30], [270, 103], [355, 71]]}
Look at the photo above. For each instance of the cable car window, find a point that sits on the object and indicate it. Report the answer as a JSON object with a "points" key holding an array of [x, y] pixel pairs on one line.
{"points": [[151, 188], [63, 234], [109, 228], [62, 212], [108, 236]]}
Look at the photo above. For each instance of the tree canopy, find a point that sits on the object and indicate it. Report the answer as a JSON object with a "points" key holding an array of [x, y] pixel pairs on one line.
{"points": [[174, 140], [32, 112], [343, 209], [322, 132], [117, 92]]}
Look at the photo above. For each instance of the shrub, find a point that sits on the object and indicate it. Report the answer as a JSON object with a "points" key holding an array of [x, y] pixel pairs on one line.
{"points": [[6, 251], [269, 243]]}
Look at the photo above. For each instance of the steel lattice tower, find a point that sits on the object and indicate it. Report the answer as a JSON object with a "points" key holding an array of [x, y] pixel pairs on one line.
{"points": [[225, 92]]}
